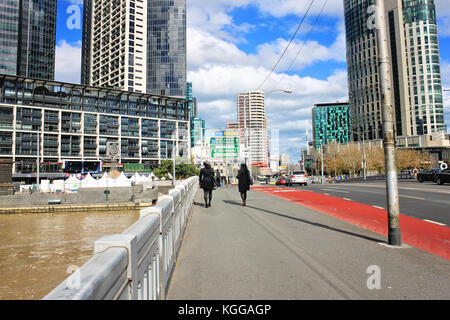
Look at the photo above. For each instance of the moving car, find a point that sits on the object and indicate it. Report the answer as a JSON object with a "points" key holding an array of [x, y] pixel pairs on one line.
{"points": [[283, 180], [299, 177], [427, 175], [442, 177]]}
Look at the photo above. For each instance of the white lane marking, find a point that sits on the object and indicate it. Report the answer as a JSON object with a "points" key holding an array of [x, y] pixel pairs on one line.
{"points": [[411, 197], [419, 188], [441, 224], [335, 190], [378, 207]]}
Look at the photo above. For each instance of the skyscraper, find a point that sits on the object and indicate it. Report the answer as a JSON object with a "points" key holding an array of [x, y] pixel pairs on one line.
{"points": [[415, 66], [166, 73], [114, 51], [27, 38], [253, 126], [135, 45], [331, 123]]}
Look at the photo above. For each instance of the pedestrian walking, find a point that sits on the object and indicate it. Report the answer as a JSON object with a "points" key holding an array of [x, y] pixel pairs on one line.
{"points": [[245, 181], [207, 182], [218, 179]]}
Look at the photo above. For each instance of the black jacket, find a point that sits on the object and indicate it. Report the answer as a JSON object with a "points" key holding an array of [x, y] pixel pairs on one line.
{"points": [[244, 180], [207, 180]]}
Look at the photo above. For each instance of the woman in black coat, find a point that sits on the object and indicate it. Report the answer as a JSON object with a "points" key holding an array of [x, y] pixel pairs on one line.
{"points": [[244, 182], [207, 182]]}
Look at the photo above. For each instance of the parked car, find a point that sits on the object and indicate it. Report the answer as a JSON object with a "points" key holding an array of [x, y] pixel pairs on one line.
{"points": [[427, 175], [283, 180], [299, 177], [442, 177]]}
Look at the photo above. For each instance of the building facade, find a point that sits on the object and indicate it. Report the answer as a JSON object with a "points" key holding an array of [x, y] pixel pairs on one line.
{"points": [[135, 45], [77, 123], [415, 64], [253, 126], [331, 122], [198, 130], [27, 38], [166, 40]]}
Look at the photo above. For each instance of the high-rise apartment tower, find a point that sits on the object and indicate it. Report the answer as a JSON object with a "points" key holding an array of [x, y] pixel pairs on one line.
{"points": [[253, 126], [415, 65], [135, 45]]}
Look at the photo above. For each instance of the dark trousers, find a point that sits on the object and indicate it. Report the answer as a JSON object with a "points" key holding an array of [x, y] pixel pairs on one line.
{"points": [[244, 196], [208, 196]]}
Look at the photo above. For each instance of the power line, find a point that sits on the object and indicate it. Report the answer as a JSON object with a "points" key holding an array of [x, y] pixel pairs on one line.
{"points": [[304, 42], [287, 47]]}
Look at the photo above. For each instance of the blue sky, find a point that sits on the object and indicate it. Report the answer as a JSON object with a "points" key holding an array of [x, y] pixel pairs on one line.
{"points": [[233, 45]]}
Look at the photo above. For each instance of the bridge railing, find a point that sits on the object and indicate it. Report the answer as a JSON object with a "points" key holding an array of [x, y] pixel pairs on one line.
{"points": [[137, 264]]}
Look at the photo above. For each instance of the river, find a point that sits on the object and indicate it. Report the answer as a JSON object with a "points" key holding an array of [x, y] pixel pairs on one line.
{"points": [[37, 250]]}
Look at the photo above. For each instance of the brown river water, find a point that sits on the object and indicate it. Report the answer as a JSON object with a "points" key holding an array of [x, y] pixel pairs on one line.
{"points": [[37, 250]]}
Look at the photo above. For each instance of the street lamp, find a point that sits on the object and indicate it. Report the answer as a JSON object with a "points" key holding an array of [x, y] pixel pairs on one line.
{"points": [[364, 150]]}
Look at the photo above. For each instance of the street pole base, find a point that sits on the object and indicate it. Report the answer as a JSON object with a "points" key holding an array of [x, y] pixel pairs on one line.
{"points": [[394, 237]]}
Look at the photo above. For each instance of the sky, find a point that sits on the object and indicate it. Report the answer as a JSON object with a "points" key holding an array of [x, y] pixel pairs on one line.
{"points": [[233, 45]]}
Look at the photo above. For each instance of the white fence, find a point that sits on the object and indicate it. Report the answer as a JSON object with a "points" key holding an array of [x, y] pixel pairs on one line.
{"points": [[137, 264]]}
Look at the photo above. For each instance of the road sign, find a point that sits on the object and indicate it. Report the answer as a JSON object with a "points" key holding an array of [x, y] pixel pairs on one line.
{"points": [[224, 145], [233, 141], [224, 152]]}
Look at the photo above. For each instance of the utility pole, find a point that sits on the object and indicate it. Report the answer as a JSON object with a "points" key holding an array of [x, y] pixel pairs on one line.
{"points": [[321, 160], [394, 235], [37, 163]]}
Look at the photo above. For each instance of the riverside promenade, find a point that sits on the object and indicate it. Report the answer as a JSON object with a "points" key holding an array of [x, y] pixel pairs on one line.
{"points": [[276, 248]]}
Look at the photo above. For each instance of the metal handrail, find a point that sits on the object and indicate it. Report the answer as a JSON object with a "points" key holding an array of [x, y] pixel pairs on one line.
{"points": [[137, 264]]}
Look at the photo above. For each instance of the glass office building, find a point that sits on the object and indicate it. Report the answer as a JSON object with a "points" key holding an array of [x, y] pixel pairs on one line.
{"points": [[198, 130], [416, 76], [166, 41], [76, 122], [27, 38], [331, 123]]}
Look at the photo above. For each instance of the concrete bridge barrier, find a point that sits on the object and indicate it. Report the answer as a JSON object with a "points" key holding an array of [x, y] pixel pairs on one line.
{"points": [[137, 264]]}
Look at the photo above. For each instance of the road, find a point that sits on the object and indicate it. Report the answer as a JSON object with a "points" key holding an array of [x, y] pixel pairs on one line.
{"points": [[425, 201]]}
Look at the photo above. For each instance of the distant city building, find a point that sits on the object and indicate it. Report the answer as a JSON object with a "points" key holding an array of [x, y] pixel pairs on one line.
{"points": [[137, 46], [284, 160], [76, 123], [416, 74], [253, 125], [331, 123], [198, 129], [231, 125], [28, 38]]}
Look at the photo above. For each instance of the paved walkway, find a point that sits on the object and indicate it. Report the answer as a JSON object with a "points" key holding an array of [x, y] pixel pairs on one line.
{"points": [[278, 249]]}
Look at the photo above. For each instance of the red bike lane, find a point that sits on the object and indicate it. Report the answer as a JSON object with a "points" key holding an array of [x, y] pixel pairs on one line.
{"points": [[421, 234]]}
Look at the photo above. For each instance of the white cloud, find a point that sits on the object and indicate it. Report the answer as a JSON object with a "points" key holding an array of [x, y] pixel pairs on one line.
{"points": [[219, 70], [68, 62]]}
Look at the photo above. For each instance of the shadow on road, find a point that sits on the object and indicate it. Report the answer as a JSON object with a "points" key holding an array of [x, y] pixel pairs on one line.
{"points": [[199, 204], [305, 221]]}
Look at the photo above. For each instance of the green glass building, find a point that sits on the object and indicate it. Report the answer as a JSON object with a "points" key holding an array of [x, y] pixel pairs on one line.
{"points": [[198, 129], [331, 123]]}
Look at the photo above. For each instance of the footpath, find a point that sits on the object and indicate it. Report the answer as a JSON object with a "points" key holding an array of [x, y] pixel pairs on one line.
{"points": [[282, 247]]}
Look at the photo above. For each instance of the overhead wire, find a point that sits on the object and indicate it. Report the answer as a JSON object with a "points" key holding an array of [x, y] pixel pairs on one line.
{"points": [[289, 44], [304, 42]]}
